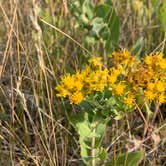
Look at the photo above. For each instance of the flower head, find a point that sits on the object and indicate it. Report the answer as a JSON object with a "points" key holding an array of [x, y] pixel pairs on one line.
{"points": [[161, 98], [129, 100], [119, 88], [149, 95], [160, 86], [76, 98]]}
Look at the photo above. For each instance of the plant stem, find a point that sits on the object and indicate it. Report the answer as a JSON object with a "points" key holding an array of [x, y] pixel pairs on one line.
{"points": [[155, 113], [144, 120], [93, 149]]}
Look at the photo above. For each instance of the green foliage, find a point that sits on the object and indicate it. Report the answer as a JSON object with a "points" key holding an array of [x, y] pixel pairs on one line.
{"points": [[100, 21], [103, 154], [130, 159], [162, 14], [137, 47], [90, 123], [90, 127], [107, 104]]}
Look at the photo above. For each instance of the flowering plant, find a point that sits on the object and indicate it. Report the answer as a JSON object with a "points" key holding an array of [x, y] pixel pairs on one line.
{"points": [[110, 92]]}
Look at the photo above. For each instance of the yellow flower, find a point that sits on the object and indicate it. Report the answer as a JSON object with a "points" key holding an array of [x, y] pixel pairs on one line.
{"points": [[129, 100], [119, 89], [158, 56], [80, 76], [67, 80], [62, 92], [113, 74], [112, 79], [159, 60], [76, 98], [96, 81], [150, 86], [122, 57], [161, 98], [116, 71], [69, 84], [126, 71], [125, 53], [162, 64], [149, 95], [148, 59], [160, 86], [73, 83], [95, 62]]}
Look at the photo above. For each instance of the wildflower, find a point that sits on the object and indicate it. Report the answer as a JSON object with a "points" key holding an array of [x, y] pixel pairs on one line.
{"points": [[116, 71], [113, 75], [62, 91], [67, 80], [112, 79], [129, 100], [148, 59], [119, 89], [149, 95], [160, 86], [95, 62], [161, 98], [162, 64], [96, 81], [150, 86], [76, 98], [121, 57], [127, 72], [158, 56]]}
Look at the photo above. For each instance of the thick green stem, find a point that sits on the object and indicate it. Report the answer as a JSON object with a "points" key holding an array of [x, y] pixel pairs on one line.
{"points": [[93, 149]]}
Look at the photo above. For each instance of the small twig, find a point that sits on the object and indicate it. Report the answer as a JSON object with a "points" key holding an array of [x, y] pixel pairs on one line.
{"points": [[104, 55], [143, 118], [155, 113]]}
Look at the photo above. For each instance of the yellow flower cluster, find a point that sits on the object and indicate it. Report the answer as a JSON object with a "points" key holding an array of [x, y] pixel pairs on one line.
{"points": [[126, 76], [77, 86]]}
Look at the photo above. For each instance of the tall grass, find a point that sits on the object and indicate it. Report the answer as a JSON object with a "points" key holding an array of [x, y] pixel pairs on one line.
{"points": [[34, 53]]}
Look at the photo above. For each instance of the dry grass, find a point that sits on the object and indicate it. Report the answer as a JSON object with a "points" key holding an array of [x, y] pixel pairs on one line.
{"points": [[34, 126]]}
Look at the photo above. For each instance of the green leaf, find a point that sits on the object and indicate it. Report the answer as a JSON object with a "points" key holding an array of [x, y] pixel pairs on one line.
{"points": [[103, 154], [114, 26], [107, 93], [109, 47], [84, 19], [109, 2], [97, 25], [162, 14], [127, 159], [102, 10], [116, 113], [85, 106], [90, 40], [111, 33], [111, 101], [89, 126], [87, 8], [81, 122], [100, 21], [100, 128], [137, 48]]}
